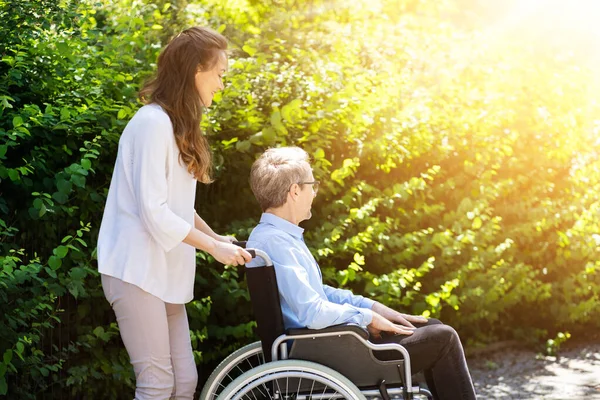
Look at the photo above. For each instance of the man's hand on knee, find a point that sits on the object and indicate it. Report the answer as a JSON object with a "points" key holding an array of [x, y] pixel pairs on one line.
{"points": [[396, 317], [380, 324]]}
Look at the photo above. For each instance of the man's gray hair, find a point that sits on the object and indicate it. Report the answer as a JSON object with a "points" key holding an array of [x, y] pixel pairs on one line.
{"points": [[274, 172]]}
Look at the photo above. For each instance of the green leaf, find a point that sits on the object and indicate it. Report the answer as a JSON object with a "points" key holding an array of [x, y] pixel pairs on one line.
{"points": [[17, 121], [7, 357], [3, 386], [288, 110], [86, 163], [3, 150], [64, 114], [50, 272], [54, 262], [20, 348], [62, 47], [243, 145], [60, 197], [13, 174], [43, 210], [249, 49], [74, 290], [78, 180], [64, 186], [4, 101], [269, 135], [77, 273], [61, 251], [34, 212], [477, 223], [96, 197], [99, 331]]}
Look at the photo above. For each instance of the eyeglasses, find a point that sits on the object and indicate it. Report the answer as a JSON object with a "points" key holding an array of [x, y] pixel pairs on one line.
{"points": [[314, 183]]}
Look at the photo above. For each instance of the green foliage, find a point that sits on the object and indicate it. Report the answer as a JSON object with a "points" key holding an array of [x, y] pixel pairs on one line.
{"points": [[460, 178], [66, 90]]}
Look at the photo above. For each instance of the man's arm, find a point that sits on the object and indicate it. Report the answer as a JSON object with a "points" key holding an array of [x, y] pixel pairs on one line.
{"points": [[342, 296]]}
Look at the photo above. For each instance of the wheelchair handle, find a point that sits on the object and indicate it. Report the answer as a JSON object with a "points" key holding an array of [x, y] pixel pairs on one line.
{"points": [[255, 252]]}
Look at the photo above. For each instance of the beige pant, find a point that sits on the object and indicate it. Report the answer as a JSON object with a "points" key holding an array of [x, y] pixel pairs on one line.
{"points": [[157, 337]]}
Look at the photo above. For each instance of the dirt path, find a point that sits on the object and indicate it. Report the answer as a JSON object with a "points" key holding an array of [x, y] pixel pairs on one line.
{"points": [[520, 374]]}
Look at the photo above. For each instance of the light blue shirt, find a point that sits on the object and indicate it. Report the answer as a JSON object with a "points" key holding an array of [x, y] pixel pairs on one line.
{"points": [[305, 300]]}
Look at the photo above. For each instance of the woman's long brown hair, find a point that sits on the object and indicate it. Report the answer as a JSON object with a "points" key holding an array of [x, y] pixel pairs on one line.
{"points": [[174, 89]]}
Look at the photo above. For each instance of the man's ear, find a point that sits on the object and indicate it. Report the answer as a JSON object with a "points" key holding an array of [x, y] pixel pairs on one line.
{"points": [[294, 191]]}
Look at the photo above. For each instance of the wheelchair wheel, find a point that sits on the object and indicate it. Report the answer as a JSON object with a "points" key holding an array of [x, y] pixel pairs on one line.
{"points": [[234, 365], [291, 380]]}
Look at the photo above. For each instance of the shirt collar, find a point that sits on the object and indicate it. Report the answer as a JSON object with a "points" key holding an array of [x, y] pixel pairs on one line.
{"points": [[282, 224]]}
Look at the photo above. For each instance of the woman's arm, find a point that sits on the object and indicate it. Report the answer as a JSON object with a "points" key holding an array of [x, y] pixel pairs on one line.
{"points": [[223, 252]]}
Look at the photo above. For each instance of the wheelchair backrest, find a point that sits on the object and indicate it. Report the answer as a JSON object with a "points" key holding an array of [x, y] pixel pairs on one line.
{"points": [[264, 294]]}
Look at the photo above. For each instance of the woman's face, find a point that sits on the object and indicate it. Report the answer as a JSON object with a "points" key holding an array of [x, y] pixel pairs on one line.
{"points": [[210, 82]]}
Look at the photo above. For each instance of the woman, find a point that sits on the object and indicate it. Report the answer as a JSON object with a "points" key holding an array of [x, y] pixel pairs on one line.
{"points": [[149, 231]]}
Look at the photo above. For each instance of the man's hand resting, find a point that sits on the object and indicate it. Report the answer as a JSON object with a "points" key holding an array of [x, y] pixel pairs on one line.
{"points": [[380, 324], [395, 319]]}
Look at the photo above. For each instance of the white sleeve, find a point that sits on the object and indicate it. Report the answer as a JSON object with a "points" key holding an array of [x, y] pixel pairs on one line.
{"points": [[150, 153]]}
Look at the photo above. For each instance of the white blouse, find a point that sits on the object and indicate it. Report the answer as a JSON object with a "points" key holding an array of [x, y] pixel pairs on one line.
{"points": [[149, 211]]}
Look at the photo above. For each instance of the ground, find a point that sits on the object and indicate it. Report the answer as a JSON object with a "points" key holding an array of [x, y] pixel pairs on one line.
{"points": [[514, 373]]}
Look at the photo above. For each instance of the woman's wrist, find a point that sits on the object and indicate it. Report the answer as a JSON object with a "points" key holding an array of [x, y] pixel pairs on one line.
{"points": [[225, 238], [212, 245]]}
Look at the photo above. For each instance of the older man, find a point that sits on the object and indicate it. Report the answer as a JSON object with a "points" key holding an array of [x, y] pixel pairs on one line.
{"points": [[283, 183]]}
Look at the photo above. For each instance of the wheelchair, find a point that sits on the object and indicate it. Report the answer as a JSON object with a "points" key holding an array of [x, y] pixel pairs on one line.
{"points": [[338, 362]]}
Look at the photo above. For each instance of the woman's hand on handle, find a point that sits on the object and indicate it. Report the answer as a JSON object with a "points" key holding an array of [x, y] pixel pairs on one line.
{"points": [[224, 252], [225, 239], [230, 254]]}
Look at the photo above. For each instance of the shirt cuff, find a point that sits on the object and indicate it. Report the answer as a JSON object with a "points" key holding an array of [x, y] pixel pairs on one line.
{"points": [[367, 315], [177, 233], [366, 303]]}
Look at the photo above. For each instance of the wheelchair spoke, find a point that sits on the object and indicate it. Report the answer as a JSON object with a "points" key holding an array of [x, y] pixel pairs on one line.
{"points": [[324, 390], [278, 388], [299, 385], [312, 388]]}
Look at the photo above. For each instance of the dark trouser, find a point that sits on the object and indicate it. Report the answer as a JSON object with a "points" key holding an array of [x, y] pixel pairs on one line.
{"points": [[436, 350]]}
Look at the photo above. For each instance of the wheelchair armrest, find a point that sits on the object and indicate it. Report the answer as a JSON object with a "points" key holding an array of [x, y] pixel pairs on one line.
{"points": [[362, 332]]}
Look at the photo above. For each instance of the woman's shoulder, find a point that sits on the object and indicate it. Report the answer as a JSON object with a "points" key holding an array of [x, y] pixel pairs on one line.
{"points": [[150, 120], [153, 113]]}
